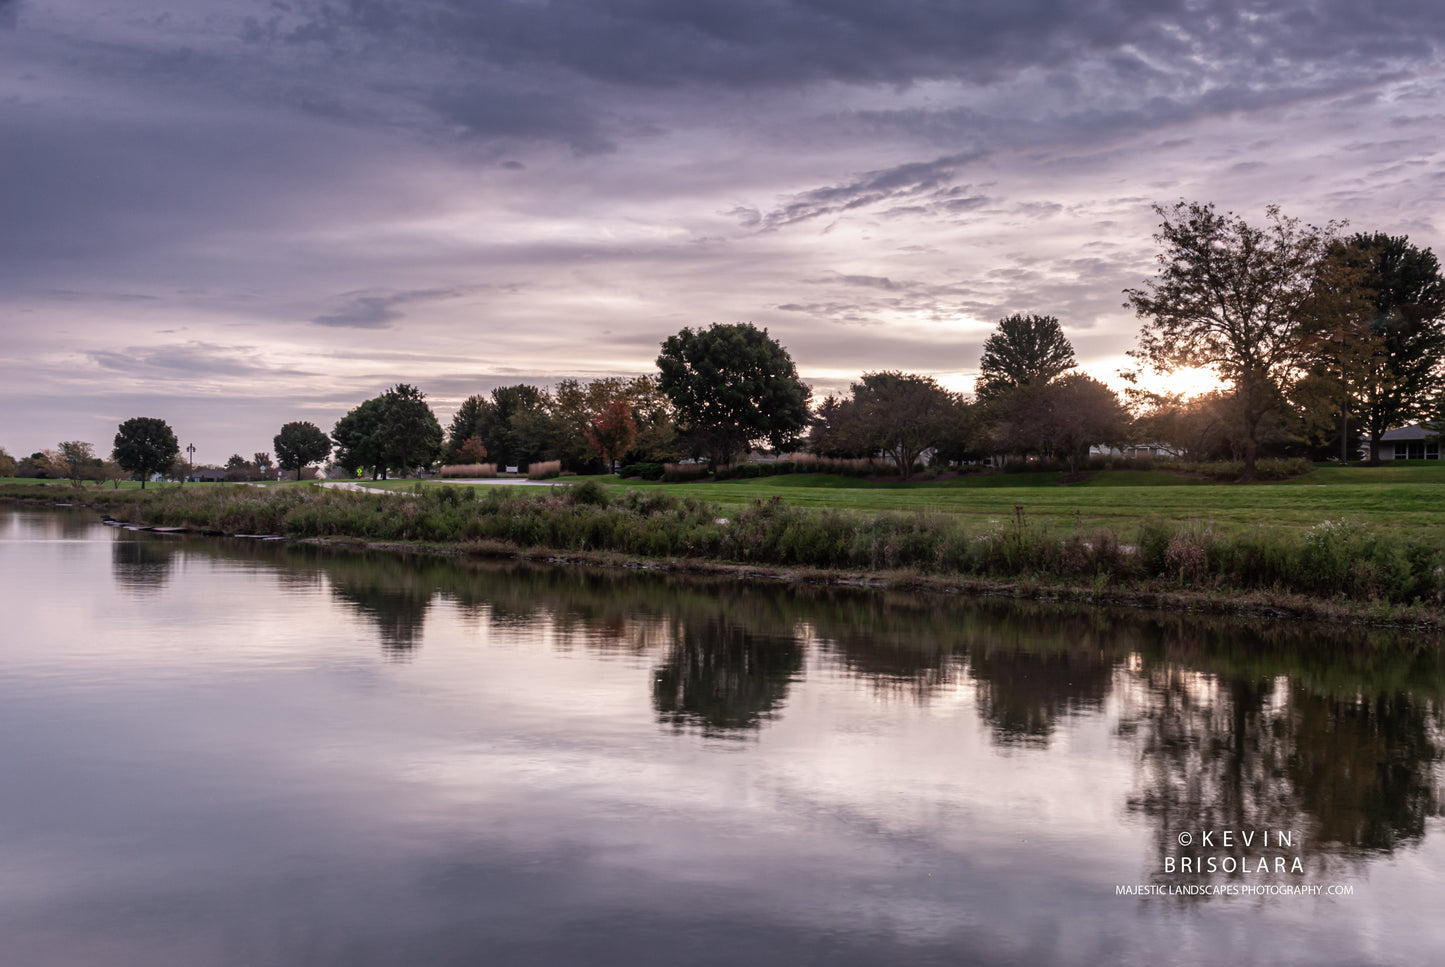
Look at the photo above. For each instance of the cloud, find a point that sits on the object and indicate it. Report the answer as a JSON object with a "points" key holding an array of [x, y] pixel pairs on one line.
{"points": [[371, 311], [189, 361], [928, 185], [489, 114]]}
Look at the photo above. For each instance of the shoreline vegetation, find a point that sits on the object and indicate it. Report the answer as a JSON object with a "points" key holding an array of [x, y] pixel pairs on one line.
{"points": [[1337, 570]]}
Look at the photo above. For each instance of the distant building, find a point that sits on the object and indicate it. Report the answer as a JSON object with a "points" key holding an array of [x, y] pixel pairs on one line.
{"points": [[1137, 451], [1413, 442]]}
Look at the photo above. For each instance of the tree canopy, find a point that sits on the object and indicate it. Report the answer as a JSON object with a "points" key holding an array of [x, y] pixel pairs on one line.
{"points": [[1403, 360], [1022, 351], [395, 432], [145, 445], [732, 385], [1062, 418], [902, 415], [297, 446], [1235, 297]]}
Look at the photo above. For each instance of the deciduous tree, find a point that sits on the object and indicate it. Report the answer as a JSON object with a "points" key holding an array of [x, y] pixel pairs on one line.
{"points": [[299, 445], [900, 414], [1232, 296], [1062, 418], [732, 385], [76, 459], [394, 432], [611, 432], [472, 450], [1404, 358], [145, 445]]}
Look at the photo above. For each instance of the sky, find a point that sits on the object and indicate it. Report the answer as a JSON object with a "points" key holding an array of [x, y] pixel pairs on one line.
{"points": [[233, 214]]}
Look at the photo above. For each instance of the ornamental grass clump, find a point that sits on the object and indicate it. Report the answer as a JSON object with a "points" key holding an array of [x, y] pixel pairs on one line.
{"points": [[478, 470]]}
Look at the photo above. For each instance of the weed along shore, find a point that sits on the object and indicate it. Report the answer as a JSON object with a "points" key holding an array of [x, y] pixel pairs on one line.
{"points": [[1337, 570]]}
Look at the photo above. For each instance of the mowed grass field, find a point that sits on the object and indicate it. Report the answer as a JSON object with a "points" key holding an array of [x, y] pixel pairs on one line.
{"points": [[1406, 496]]}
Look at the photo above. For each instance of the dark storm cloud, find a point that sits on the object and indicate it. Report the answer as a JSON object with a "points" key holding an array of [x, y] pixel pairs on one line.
{"points": [[749, 43], [746, 43]]}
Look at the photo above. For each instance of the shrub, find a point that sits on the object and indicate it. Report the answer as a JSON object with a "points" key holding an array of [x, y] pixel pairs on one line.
{"points": [[683, 472], [803, 463], [647, 471], [588, 492]]}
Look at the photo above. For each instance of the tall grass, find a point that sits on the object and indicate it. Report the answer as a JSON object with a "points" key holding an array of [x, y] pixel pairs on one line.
{"points": [[544, 470], [468, 470], [1337, 559]]}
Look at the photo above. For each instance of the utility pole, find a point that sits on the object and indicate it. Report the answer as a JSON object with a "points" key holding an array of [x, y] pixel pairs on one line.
{"points": [[190, 459]]}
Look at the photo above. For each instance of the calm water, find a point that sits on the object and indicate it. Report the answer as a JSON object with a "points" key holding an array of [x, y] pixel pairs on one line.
{"points": [[221, 752]]}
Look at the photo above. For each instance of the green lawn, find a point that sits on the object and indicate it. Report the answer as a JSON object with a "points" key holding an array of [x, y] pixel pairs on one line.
{"points": [[1409, 496]]}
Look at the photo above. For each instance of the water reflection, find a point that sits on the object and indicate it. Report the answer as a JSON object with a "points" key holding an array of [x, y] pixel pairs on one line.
{"points": [[392, 593], [722, 677], [1345, 777], [1334, 736], [142, 564]]}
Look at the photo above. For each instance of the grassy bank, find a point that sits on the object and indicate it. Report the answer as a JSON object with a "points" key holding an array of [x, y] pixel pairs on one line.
{"points": [[1402, 497], [1345, 562]]}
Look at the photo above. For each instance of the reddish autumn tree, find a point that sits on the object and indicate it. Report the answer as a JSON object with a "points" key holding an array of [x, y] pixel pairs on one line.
{"points": [[612, 431], [472, 450]]}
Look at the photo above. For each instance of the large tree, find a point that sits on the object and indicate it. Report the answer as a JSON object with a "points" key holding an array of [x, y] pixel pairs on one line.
{"points": [[732, 385], [900, 414], [1061, 419], [515, 425], [145, 445], [1404, 365], [1022, 351], [1235, 297], [358, 444], [298, 445], [411, 437], [394, 432]]}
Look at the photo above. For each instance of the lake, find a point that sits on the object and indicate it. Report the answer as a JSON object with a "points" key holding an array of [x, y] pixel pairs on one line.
{"points": [[228, 752]]}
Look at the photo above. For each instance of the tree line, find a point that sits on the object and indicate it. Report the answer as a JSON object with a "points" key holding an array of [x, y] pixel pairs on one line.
{"points": [[1321, 340]]}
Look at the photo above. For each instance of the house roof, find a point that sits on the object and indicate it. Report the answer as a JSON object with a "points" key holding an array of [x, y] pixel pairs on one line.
{"points": [[1414, 431]]}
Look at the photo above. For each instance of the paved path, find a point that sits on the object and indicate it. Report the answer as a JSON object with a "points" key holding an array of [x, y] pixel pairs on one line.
{"points": [[489, 481]]}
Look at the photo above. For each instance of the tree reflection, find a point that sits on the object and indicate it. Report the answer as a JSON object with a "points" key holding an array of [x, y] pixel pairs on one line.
{"points": [[1350, 773], [142, 565], [1022, 694], [391, 592], [1365, 769], [721, 677], [1233, 725]]}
